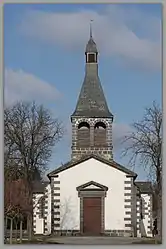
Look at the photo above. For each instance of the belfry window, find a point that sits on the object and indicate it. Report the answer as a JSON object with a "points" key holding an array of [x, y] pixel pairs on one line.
{"points": [[100, 136], [91, 58], [83, 135]]}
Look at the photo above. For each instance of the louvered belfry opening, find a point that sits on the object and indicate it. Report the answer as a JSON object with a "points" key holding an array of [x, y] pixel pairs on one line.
{"points": [[100, 134], [83, 135], [91, 58]]}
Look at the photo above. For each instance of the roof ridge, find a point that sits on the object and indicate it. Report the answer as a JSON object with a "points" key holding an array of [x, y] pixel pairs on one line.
{"points": [[73, 163]]}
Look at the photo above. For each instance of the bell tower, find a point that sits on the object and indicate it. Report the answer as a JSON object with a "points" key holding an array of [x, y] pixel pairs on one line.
{"points": [[91, 120]]}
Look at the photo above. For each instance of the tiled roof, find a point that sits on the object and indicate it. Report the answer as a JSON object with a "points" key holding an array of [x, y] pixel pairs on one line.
{"points": [[91, 101], [38, 187], [91, 46], [144, 187]]}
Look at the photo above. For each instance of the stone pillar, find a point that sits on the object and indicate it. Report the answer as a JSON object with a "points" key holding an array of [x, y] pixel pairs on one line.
{"points": [[55, 204], [92, 135], [128, 206]]}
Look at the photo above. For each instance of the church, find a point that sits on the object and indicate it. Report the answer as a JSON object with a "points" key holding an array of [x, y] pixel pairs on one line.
{"points": [[92, 195]]}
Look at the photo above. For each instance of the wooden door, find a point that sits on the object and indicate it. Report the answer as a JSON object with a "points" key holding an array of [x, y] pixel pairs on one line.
{"points": [[92, 216]]}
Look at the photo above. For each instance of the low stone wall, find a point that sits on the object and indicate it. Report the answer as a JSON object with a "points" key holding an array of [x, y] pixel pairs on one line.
{"points": [[119, 233]]}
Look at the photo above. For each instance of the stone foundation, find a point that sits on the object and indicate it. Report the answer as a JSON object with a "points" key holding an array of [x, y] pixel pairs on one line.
{"points": [[119, 233], [111, 233]]}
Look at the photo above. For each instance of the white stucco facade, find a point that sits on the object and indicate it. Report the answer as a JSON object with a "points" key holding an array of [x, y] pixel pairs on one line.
{"points": [[122, 207], [38, 223], [101, 173]]}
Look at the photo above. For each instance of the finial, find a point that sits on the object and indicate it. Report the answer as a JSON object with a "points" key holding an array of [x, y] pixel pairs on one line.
{"points": [[91, 28]]}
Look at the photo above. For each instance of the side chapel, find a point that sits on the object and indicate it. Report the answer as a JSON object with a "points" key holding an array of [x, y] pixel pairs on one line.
{"points": [[92, 195]]}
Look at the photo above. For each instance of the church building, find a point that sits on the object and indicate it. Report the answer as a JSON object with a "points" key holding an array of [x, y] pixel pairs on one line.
{"points": [[92, 195]]}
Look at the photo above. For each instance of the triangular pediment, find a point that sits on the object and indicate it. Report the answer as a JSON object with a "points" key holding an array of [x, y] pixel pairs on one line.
{"points": [[75, 163], [92, 185]]}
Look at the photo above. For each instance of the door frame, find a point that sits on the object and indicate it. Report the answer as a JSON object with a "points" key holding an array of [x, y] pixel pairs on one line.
{"points": [[92, 189]]}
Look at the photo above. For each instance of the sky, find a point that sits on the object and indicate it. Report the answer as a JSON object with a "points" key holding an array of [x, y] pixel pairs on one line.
{"points": [[44, 60]]}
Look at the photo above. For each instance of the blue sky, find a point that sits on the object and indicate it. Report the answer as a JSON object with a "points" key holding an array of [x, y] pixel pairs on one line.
{"points": [[44, 60]]}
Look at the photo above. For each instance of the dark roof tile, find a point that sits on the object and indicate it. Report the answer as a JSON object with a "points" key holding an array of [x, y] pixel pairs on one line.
{"points": [[91, 46], [91, 101], [144, 187], [38, 187]]}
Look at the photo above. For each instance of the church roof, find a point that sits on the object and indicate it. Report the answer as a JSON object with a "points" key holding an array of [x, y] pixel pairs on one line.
{"points": [[144, 187], [91, 46], [39, 187], [91, 101], [72, 163]]}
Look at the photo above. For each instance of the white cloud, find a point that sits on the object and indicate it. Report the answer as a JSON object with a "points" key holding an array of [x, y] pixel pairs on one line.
{"points": [[131, 35], [20, 85]]}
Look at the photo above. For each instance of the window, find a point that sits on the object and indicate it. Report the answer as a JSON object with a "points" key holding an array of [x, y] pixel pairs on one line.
{"points": [[91, 58], [100, 136], [83, 135]]}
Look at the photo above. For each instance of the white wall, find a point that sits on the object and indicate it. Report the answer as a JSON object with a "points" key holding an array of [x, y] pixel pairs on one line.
{"points": [[93, 170], [38, 221], [147, 210]]}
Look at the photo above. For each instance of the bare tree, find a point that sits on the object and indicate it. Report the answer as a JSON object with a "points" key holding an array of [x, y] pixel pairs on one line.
{"points": [[16, 203], [68, 220], [67, 217], [30, 133], [144, 146]]}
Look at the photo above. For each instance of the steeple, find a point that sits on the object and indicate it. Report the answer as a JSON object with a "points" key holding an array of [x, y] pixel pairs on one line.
{"points": [[91, 101], [91, 45], [91, 120]]}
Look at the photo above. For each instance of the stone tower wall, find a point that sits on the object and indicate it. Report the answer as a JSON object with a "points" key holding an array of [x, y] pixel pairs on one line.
{"points": [[92, 141]]}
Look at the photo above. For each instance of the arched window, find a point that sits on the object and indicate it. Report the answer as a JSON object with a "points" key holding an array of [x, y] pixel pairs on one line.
{"points": [[100, 134], [83, 134]]}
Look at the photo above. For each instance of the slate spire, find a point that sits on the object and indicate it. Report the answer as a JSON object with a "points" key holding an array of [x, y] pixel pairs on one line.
{"points": [[91, 101], [91, 45]]}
